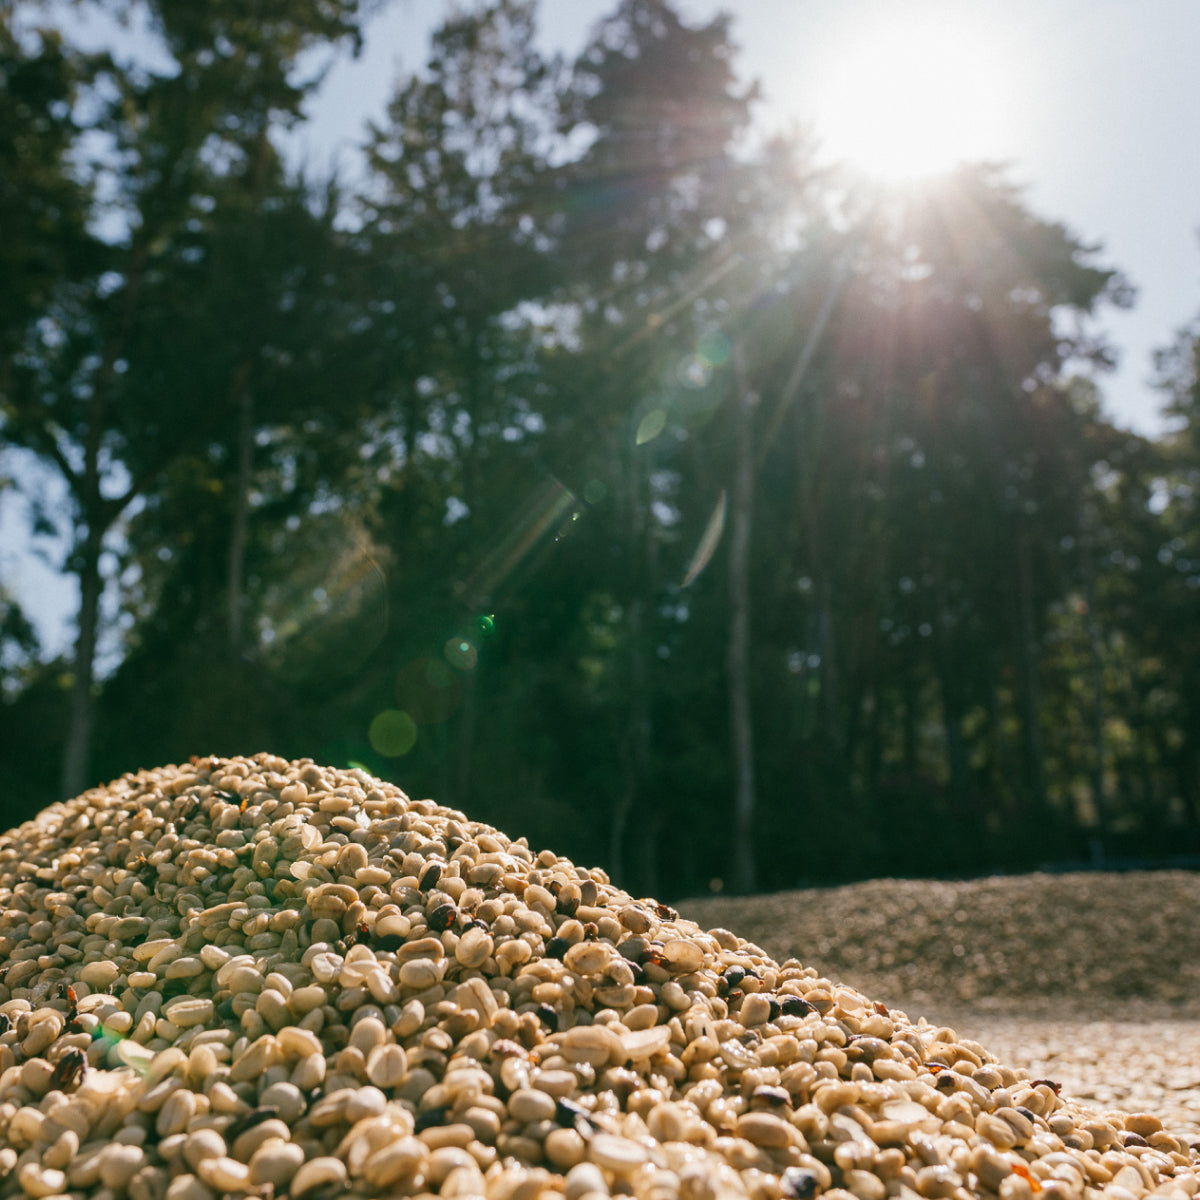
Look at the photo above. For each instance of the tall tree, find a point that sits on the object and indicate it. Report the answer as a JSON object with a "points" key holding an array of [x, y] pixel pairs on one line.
{"points": [[647, 233], [44, 208], [77, 397], [453, 233], [928, 477], [1167, 603]]}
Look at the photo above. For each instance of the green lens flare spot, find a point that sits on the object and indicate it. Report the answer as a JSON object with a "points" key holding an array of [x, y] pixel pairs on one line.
{"points": [[461, 653], [714, 348], [392, 733], [487, 623], [594, 491], [694, 371], [437, 678], [651, 425]]}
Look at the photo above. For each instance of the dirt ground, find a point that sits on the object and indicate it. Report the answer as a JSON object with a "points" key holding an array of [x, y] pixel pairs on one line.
{"points": [[1092, 979]]}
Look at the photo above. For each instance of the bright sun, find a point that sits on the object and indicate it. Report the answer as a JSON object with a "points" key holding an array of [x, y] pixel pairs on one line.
{"points": [[910, 98]]}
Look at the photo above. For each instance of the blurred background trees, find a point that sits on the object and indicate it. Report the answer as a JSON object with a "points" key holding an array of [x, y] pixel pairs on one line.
{"points": [[583, 462]]}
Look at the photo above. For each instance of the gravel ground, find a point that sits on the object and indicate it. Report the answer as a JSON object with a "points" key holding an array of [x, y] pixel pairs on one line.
{"points": [[1092, 979]]}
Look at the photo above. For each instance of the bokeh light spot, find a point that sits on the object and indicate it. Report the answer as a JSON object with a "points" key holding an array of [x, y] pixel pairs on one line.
{"points": [[461, 653], [714, 348], [392, 733], [594, 491], [694, 372], [650, 426], [487, 623]]}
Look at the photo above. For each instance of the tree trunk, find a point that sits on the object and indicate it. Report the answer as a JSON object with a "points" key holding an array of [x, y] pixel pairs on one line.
{"points": [[77, 753], [638, 732], [464, 747], [999, 784], [96, 516], [1095, 640], [236, 582], [1027, 657], [831, 682], [910, 691], [873, 701], [745, 874], [948, 673]]}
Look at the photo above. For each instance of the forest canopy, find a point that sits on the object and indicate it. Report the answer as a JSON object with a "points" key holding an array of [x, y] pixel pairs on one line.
{"points": [[591, 460]]}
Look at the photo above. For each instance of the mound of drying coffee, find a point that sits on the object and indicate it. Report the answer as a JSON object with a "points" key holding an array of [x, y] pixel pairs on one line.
{"points": [[259, 977]]}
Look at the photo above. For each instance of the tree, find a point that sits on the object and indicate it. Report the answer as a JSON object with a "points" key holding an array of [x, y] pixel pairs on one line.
{"points": [[77, 397], [929, 467], [43, 206], [647, 228], [650, 494], [43, 212], [1164, 608], [453, 240], [226, 553]]}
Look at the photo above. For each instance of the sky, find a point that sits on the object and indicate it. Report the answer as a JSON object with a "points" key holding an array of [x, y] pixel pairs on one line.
{"points": [[1093, 105]]}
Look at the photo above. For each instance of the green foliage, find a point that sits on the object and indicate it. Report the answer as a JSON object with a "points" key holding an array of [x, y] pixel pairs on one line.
{"points": [[43, 209], [440, 474]]}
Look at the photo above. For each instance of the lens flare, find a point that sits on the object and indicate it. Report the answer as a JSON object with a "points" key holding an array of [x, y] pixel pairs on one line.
{"points": [[651, 425], [708, 543], [541, 520], [134, 1056], [461, 653], [694, 371], [324, 615], [714, 348], [392, 733]]}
